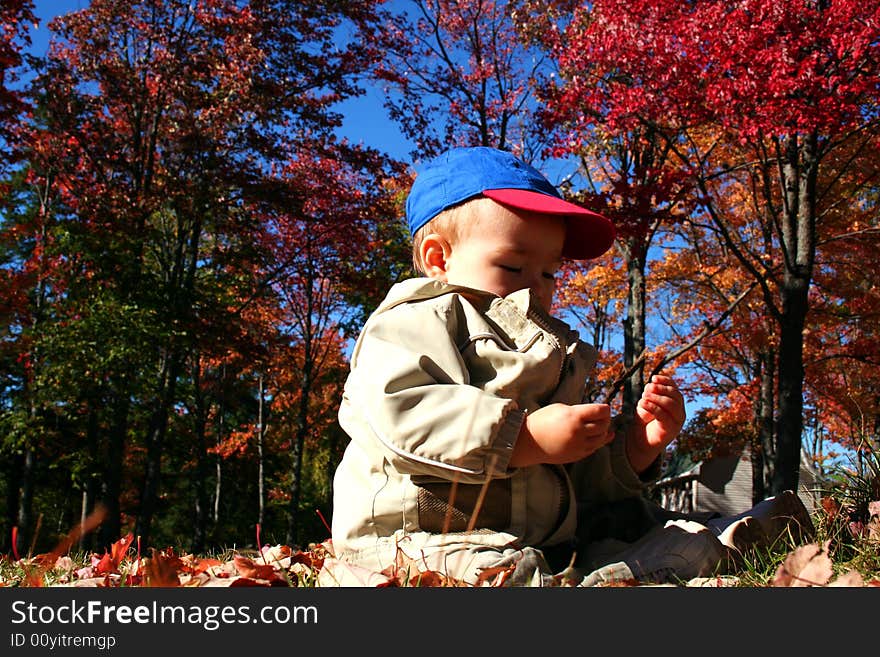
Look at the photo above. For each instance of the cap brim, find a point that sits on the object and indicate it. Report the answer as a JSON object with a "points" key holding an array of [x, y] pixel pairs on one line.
{"points": [[588, 234]]}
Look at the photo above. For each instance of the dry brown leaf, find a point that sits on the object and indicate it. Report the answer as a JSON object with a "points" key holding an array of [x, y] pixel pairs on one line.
{"points": [[275, 553], [162, 570], [403, 571], [874, 522], [250, 581], [203, 580], [65, 563], [91, 582], [429, 578], [851, 578], [808, 565], [202, 565], [495, 577], [831, 508], [247, 568]]}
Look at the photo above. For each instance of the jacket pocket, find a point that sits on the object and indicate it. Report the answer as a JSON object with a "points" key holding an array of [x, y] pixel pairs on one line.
{"points": [[449, 507]]}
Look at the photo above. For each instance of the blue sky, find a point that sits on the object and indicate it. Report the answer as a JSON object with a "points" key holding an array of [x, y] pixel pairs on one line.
{"points": [[365, 120]]}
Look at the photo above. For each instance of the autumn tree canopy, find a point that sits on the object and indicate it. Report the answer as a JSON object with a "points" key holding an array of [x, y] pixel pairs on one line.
{"points": [[789, 84], [164, 206]]}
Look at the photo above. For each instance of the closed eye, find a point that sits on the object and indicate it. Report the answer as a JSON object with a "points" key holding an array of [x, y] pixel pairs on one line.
{"points": [[549, 276], [513, 270]]}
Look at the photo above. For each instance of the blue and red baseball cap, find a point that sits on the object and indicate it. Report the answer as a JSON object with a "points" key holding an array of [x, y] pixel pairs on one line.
{"points": [[461, 174]]}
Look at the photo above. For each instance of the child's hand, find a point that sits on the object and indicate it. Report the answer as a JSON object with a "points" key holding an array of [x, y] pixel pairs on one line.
{"points": [[560, 433], [661, 416]]}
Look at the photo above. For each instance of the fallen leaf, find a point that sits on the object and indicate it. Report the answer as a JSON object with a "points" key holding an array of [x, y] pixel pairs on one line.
{"points": [[808, 565], [162, 570], [196, 566], [495, 577], [851, 578], [248, 568], [275, 553], [831, 507], [109, 562], [874, 521], [249, 581]]}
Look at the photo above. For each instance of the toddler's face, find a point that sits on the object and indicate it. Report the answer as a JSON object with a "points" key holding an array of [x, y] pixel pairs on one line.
{"points": [[509, 250]]}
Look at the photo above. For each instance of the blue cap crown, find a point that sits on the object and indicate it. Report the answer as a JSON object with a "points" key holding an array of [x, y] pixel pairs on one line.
{"points": [[461, 174]]}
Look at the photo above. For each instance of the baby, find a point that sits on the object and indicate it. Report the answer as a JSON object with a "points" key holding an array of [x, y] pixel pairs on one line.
{"points": [[471, 447]]}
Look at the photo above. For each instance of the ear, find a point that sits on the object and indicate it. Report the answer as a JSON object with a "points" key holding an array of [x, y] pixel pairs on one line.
{"points": [[435, 251]]}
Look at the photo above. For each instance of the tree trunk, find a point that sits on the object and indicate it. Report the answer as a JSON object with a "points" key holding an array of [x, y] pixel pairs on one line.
{"points": [[90, 482], [634, 323], [12, 472], [799, 244], [111, 481], [303, 415], [296, 482], [298, 447], [179, 284], [24, 516], [199, 484], [766, 427], [261, 432], [155, 444], [218, 461]]}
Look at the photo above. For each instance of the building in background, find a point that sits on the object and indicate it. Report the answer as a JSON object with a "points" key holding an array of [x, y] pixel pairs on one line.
{"points": [[724, 485]]}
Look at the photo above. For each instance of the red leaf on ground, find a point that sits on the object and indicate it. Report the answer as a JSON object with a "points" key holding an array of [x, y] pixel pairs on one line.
{"points": [[431, 578], [201, 565], [109, 563], [162, 570], [248, 569], [830, 507]]}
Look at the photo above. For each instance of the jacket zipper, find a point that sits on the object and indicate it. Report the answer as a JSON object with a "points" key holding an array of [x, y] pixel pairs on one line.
{"points": [[542, 323]]}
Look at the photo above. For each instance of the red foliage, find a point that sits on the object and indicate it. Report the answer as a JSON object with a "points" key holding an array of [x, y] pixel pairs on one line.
{"points": [[16, 16], [762, 66]]}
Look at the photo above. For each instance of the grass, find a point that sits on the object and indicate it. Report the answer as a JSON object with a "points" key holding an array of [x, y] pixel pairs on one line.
{"points": [[845, 551], [847, 536]]}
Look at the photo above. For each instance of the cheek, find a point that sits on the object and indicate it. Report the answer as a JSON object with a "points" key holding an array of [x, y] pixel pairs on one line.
{"points": [[497, 283], [546, 291]]}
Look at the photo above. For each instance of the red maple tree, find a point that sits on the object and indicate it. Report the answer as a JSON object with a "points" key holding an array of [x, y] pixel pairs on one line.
{"points": [[788, 82]]}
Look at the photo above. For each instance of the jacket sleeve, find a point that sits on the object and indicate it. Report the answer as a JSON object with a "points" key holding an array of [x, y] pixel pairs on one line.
{"points": [[409, 391]]}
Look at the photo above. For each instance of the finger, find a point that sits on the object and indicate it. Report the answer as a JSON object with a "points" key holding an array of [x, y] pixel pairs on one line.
{"points": [[663, 408], [596, 428], [644, 414], [598, 440], [659, 388], [594, 412]]}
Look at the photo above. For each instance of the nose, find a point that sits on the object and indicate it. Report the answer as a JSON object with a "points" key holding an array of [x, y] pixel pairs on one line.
{"points": [[543, 289]]}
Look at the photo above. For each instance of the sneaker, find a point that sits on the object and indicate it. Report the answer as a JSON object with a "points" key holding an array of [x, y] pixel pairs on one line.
{"points": [[741, 538], [784, 517], [675, 553], [743, 535]]}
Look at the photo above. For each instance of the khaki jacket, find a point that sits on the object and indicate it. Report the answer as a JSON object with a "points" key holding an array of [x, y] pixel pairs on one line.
{"points": [[441, 379]]}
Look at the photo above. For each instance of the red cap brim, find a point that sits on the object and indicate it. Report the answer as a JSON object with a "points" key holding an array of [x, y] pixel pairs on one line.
{"points": [[588, 234]]}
